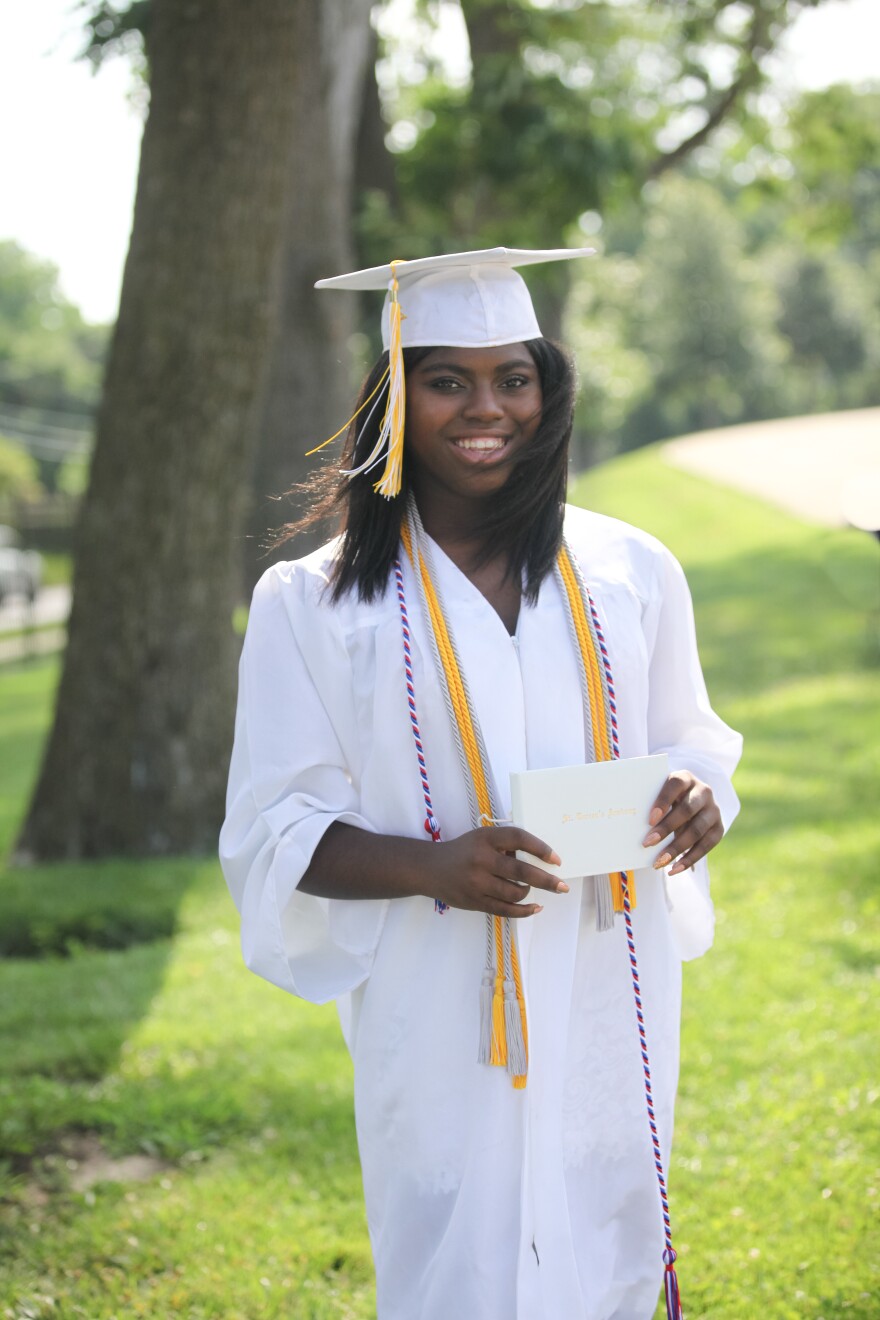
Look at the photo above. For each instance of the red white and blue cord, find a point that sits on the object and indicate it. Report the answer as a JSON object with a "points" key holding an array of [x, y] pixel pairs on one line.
{"points": [[432, 826], [670, 1279]]}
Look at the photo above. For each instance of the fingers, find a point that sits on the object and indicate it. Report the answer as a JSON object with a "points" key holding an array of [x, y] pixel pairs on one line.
{"points": [[684, 816], [699, 849], [510, 838], [684, 797], [677, 783], [479, 872], [512, 869], [691, 841], [497, 908]]}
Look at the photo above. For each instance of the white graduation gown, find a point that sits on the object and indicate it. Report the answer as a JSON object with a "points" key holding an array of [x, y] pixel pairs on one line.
{"points": [[483, 1201]]}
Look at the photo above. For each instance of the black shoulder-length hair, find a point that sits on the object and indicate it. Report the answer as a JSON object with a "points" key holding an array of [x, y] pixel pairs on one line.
{"points": [[522, 521]]}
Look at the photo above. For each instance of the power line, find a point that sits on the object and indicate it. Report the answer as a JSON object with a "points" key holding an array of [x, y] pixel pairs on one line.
{"points": [[27, 424]]}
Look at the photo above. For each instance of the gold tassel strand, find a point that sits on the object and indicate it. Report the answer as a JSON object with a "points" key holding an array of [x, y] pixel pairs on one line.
{"points": [[391, 434]]}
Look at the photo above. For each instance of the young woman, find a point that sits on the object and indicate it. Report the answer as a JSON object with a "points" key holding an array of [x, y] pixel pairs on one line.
{"points": [[390, 683]]}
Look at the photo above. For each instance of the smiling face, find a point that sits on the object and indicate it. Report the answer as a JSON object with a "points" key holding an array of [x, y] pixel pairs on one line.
{"points": [[469, 412]]}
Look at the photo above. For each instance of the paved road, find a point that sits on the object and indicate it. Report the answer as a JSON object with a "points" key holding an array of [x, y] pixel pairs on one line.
{"points": [[825, 468], [51, 606]]}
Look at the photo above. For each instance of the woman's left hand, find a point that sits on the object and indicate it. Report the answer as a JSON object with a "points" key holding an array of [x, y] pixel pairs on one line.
{"points": [[686, 810]]}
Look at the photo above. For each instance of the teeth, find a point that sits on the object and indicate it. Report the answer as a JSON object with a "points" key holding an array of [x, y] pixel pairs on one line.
{"points": [[488, 443]]}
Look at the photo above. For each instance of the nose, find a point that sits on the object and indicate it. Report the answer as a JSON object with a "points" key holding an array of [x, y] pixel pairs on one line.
{"points": [[483, 402]]}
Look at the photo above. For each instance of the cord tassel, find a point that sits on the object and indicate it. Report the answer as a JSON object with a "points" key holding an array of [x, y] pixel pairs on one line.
{"points": [[487, 989], [670, 1285], [498, 1055], [604, 903], [516, 1049], [617, 889]]}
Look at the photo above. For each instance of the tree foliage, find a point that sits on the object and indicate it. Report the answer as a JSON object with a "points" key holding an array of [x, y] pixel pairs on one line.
{"points": [[19, 474], [50, 358], [835, 151], [716, 303], [570, 107], [112, 29]]}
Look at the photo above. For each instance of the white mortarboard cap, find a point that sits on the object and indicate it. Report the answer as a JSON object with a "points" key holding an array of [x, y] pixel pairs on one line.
{"points": [[460, 300]]}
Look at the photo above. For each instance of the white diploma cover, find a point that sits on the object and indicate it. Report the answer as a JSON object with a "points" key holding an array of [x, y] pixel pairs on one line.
{"points": [[594, 816]]}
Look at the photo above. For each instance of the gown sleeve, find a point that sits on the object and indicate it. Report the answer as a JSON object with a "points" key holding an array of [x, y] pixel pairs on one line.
{"points": [[681, 723], [288, 781]]}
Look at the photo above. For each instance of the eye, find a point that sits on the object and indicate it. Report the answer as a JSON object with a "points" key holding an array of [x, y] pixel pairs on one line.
{"points": [[447, 383], [516, 382]]}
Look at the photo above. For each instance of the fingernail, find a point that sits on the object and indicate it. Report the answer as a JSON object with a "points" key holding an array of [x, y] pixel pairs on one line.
{"points": [[562, 887], [679, 866], [656, 814], [554, 859], [663, 860], [652, 838], [538, 909]]}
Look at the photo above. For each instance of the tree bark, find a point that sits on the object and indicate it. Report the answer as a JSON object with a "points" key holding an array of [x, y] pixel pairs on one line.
{"points": [[136, 760], [309, 383], [374, 164]]}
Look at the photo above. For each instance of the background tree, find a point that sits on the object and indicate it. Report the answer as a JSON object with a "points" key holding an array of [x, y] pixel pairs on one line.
{"points": [[570, 107], [832, 138], [705, 319], [833, 331], [136, 759], [244, 198], [306, 382], [50, 363]]}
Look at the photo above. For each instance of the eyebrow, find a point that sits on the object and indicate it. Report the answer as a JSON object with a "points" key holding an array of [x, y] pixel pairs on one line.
{"points": [[518, 363]]}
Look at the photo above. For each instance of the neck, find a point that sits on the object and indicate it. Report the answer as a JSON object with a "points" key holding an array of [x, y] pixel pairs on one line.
{"points": [[458, 527], [462, 541]]}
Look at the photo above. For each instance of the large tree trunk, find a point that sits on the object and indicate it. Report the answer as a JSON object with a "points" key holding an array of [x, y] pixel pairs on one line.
{"points": [[309, 384], [137, 757]]}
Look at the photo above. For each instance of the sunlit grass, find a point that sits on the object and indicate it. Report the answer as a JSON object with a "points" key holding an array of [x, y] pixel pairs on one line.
{"points": [[243, 1096], [775, 1179]]}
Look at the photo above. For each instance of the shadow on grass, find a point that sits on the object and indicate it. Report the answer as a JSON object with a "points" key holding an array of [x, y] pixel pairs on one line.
{"points": [[855, 959], [113, 904], [64, 1021], [65, 1009]]}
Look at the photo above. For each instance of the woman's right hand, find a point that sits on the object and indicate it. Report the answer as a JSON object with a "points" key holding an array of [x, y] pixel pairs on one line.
{"points": [[479, 872]]}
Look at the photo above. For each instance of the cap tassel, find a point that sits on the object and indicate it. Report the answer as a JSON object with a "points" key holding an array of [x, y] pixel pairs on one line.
{"points": [[391, 433], [389, 444], [357, 412]]}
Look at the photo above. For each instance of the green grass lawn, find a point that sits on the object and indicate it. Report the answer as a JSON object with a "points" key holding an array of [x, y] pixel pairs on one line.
{"points": [[242, 1096]]}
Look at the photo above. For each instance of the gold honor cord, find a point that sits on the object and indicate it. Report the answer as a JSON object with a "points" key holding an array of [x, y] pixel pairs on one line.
{"points": [[464, 720], [599, 701], [498, 1018], [588, 655]]}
